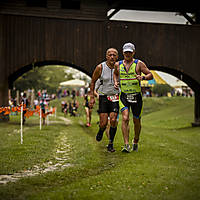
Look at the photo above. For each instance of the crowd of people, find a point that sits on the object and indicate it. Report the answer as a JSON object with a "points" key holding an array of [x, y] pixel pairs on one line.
{"points": [[70, 107], [42, 99]]}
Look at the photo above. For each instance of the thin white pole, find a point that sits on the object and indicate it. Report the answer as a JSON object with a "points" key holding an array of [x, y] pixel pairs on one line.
{"points": [[22, 123], [51, 109], [40, 118], [47, 118]]}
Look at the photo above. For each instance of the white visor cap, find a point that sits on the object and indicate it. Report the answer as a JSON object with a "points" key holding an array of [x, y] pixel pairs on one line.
{"points": [[128, 47]]}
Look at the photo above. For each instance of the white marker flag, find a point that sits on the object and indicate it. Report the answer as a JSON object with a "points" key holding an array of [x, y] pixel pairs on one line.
{"points": [[40, 118], [22, 123]]}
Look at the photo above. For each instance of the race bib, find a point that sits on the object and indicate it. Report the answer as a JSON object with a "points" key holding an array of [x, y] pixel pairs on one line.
{"points": [[131, 98], [113, 98]]}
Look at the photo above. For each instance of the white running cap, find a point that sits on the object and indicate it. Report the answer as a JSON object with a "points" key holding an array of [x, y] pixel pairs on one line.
{"points": [[128, 47]]}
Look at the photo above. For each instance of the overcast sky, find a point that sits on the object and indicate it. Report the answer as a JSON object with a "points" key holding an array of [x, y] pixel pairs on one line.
{"points": [[155, 17]]}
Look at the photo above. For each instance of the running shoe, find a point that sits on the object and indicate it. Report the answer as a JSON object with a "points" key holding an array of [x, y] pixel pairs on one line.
{"points": [[110, 148], [99, 136], [135, 147], [126, 148], [88, 124]]}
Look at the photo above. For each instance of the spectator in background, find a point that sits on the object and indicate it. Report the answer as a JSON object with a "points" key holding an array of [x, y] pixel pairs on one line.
{"points": [[88, 110], [66, 108], [73, 94], [81, 92], [62, 106], [59, 93], [65, 93], [71, 109], [75, 105], [39, 94], [42, 105], [35, 103]]}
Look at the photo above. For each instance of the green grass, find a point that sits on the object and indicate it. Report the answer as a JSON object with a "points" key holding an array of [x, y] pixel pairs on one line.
{"points": [[166, 166], [36, 148]]}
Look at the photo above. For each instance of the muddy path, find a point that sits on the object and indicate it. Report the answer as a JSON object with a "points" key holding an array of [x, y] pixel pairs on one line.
{"points": [[59, 161]]}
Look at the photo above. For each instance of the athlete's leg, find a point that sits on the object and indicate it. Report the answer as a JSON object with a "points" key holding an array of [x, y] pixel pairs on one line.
{"points": [[102, 125], [113, 126], [108, 128], [90, 115], [137, 129], [103, 120], [87, 115], [124, 107], [137, 112], [113, 119], [125, 125]]}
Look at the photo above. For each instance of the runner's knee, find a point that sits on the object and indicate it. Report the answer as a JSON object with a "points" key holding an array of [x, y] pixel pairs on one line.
{"points": [[103, 124], [125, 118], [113, 121], [136, 121]]}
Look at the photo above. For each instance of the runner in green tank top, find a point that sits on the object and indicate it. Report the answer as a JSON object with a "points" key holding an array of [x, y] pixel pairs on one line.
{"points": [[127, 76]]}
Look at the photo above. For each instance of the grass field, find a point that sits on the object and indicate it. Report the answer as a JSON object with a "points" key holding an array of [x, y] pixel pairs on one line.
{"points": [[167, 165]]}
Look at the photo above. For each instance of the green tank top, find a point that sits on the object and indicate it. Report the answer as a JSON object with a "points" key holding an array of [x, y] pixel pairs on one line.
{"points": [[128, 82]]}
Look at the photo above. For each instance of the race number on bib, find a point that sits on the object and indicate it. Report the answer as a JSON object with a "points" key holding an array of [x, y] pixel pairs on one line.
{"points": [[113, 98], [131, 98]]}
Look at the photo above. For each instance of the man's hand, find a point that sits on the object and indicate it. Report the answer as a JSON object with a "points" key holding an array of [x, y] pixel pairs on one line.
{"points": [[116, 85], [139, 78], [92, 102]]}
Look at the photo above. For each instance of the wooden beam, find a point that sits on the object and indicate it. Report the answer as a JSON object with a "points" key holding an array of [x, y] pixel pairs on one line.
{"points": [[113, 13], [188, 17]]}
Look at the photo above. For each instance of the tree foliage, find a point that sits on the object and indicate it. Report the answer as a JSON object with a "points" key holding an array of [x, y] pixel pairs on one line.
{"points": [[161, 89], [47, 77]]}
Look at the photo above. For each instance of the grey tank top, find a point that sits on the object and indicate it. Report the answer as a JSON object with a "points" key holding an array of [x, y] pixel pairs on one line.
{"points": [[106, 81]]}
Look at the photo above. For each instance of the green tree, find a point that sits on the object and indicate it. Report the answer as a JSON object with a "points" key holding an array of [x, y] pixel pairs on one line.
{"points": [[161, 89], [47, 77]]}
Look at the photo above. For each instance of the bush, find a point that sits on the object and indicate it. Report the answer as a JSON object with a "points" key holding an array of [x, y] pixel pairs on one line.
{"points": [[161, 89]]}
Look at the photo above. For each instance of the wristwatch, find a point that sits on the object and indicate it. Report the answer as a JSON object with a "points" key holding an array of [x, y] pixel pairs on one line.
{"points": [[143, 78]]}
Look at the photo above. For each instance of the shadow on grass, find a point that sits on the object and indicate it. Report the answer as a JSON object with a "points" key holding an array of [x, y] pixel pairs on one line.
{"points": [[88, 130], [186, 128]]}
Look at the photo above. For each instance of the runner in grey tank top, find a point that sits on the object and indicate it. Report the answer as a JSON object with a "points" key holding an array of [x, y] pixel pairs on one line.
{"points": [[108, 96], [106, 81]]}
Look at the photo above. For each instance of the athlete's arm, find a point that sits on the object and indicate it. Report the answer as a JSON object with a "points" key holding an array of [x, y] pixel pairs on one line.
{"points": [[116, 75], [96, 94], [96, 75], [142, 68]]}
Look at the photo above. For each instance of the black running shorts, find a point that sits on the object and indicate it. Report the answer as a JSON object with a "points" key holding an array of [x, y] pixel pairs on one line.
{"points": [[107, 106], [131, 100]]}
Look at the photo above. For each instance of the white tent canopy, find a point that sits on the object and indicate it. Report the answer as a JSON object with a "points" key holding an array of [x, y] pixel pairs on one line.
{"points": [[178, 84], [74, 83]]}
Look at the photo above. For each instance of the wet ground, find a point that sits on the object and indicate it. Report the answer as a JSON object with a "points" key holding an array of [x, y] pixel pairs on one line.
{"points": [[59, 162]]}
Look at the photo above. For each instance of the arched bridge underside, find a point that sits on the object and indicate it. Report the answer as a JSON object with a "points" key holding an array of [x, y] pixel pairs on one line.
{"points": [[28, 41]]}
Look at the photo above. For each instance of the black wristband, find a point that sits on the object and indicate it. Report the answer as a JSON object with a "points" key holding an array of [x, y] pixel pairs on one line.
{"points": [[143, 78]]}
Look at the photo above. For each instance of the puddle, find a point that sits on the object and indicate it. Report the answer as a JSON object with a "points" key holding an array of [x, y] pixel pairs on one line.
{"points": [[59, 161]]}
